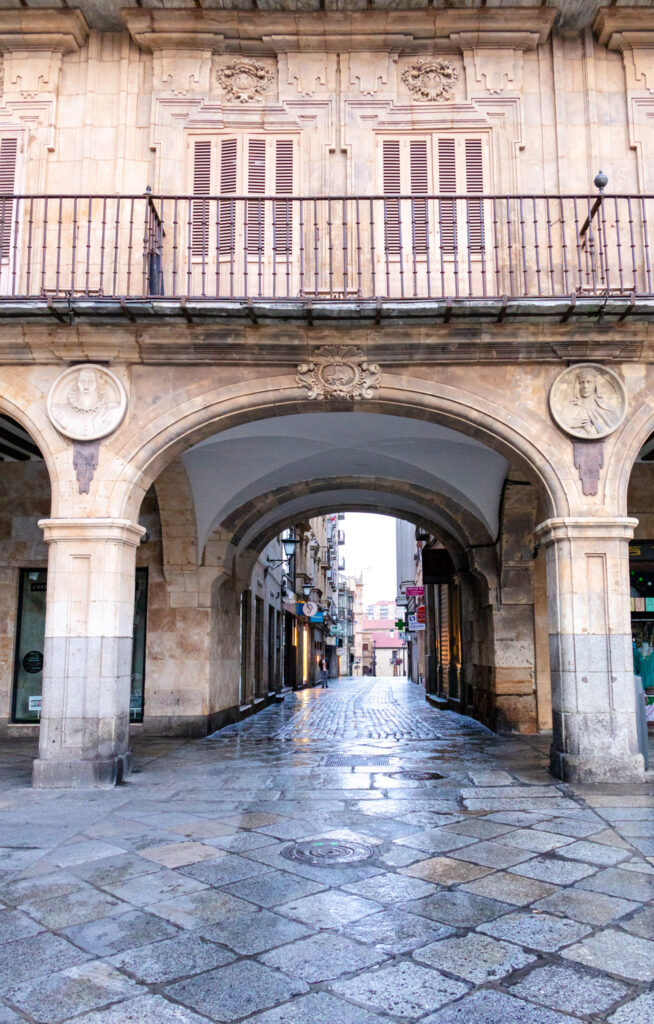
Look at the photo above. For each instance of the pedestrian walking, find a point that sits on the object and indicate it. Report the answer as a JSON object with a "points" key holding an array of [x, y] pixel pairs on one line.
{"points": [[323, 675]]}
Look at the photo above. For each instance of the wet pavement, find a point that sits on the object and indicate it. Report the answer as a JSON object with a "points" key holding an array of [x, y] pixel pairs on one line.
{"points": [[490, 894]]}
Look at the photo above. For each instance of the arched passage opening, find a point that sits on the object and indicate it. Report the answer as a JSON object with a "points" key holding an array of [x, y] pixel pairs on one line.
{"points": [[224, 501], [26, 497]]}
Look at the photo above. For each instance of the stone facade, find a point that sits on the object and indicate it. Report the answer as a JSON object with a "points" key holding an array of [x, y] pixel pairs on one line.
{"points": [[409, 371]]}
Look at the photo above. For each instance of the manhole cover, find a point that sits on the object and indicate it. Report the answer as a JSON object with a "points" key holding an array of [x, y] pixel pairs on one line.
{"points": [[356, 761], [417, 776], [325, 852]]}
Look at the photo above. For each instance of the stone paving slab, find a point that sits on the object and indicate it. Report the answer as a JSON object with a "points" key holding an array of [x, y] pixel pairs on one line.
{"points": [[571, 989], [71, 992], [492, 896], [638, 1011], [490, 1007], [626, 955], [318, 1008], [322, 957], [232, 992], [473, 957], [403, 990]]}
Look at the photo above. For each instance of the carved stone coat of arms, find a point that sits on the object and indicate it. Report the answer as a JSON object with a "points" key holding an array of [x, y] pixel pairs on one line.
{"points": [[339, 372]]}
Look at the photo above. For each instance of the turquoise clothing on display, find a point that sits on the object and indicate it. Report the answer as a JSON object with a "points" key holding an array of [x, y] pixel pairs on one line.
{"points": [[644, 665]]}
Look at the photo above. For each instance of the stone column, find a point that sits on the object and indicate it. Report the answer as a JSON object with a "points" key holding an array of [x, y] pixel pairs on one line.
{"points": [[593, 696], [88, 652]]}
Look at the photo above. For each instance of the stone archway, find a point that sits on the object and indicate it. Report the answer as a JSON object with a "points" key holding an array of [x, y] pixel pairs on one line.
{"points": [[497, 413]]}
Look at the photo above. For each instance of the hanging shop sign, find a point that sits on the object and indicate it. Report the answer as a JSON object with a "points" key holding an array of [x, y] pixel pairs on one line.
{"points": [[414, 625], [421, 613], [308, 608], [415, 591]]}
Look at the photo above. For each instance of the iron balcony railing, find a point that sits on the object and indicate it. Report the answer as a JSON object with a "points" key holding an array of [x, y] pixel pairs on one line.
{"points": [[325, 248]]}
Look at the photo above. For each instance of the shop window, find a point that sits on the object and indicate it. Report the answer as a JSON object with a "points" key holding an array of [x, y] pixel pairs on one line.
{"points": [[137, 691], [30, 634], [641, 580]]}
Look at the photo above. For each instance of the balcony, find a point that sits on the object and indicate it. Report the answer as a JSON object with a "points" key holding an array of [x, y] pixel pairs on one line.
{"points": [[144, 256]]}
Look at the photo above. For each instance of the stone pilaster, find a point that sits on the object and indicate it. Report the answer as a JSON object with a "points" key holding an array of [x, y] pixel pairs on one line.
{"points": [[88, 649], [593, 695]]}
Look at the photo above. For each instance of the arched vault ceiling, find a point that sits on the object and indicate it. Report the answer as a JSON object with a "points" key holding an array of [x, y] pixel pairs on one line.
{"points": [[346, 499], [235, 467]]}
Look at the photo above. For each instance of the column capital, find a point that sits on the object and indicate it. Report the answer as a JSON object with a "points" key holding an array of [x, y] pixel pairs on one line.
{"points": [[121, 530], [585, 528]]}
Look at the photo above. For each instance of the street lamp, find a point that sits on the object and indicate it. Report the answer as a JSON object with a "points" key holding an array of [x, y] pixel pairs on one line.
{"points": [[288, 543], [373, 667]]}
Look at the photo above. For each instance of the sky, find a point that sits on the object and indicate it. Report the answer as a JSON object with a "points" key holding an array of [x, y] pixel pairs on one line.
{"points": [[370, 546]]}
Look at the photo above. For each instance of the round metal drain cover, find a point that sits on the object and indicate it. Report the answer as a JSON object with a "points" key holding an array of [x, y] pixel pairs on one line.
{"points": [[325, 852], [417, 776]]}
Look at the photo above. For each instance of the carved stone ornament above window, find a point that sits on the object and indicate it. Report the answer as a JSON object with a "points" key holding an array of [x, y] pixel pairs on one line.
{"points": [[245, 80], [430, 78], [339, 371]]}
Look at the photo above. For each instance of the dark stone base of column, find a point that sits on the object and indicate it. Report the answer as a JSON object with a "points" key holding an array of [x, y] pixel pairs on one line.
{"points": [[81, 774], [597, 768]]}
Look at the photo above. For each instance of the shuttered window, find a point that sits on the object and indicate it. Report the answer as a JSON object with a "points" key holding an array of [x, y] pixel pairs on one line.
{"points": [[8, 152], [458, 169], [447, 186], [392, 177], [256, 213], [419, 174], [228, 186], [201, 187], [283, 211], [475, 184], [245, 166]]}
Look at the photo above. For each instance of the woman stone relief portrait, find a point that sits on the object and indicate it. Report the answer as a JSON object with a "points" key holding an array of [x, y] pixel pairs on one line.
{"points": [[86, 402], [588, 401]]}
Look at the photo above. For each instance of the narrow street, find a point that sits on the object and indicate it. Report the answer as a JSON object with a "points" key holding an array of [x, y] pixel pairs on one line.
{"points": [[440, 875]]}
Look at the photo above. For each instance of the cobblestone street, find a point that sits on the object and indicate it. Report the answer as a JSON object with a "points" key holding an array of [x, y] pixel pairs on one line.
{"points": [[489, 892]]}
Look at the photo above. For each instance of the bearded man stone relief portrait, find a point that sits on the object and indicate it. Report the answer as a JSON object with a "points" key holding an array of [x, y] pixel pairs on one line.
{"points": [[86, 402], [588, 401]]}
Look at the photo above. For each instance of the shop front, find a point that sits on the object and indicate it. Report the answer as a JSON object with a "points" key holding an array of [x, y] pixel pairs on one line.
{"points": [[30, 641], [641, 578]]}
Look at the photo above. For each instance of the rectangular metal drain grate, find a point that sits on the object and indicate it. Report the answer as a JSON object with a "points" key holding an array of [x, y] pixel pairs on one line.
{"points": [[356, 762]]}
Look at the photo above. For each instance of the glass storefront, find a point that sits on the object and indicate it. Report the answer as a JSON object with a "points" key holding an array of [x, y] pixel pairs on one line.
{"points": [[641, 579], [28, 660], [30, 632]]}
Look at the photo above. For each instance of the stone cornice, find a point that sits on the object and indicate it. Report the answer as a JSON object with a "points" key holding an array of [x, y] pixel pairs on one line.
{"points": [[417, 31], [62, 31], [620, 28]]}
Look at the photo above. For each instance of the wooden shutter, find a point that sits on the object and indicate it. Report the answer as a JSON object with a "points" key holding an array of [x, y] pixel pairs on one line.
{"points": [[419, 172], [8, 151], [256, 213], [201, 187], [228, 186], [447, 185], [392, 179], [444, 623], [475, 184], [283, 211]]}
